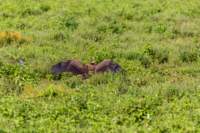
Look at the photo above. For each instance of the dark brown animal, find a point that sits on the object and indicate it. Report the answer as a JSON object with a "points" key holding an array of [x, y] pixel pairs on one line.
{"points": [[77, 68], [107, 65], [73, 66]]}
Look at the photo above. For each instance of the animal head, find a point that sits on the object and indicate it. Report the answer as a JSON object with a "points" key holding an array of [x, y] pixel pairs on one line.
{"points": [[91, 67]]}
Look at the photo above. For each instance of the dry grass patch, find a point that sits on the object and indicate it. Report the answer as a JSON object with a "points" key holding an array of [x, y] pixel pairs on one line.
{"points": [[7, 37]]}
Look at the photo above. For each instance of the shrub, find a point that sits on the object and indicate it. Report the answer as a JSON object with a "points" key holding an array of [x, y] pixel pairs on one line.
{"points": [[139, 110], [117, 27], [23, 26], [102, 28], [45, 8], [52, 91], [140, 82], [35, 11], [150, 51], [16, 76], [30, 11], [93, 36], [12, 85], [145, 61], [71, 23], [163, 56], [133, 55], [172, 93], [60, 36], [144, 58], [112, 26], [161, 28], [188, 56], [148, 56], [157, 55]]}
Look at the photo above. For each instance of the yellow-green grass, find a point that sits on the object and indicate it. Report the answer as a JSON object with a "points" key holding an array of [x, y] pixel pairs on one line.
{"points": [[156, 42]]}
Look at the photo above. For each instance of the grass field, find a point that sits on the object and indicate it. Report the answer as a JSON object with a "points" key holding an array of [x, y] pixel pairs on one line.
{"points": [[157, 42]]}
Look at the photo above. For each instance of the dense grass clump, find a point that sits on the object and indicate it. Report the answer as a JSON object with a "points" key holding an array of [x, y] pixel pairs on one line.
{"points": [[155, 42], [188, 56]]}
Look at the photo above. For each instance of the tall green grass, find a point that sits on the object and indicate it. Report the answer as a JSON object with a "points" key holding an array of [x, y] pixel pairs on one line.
{"points": [[156, 43]]}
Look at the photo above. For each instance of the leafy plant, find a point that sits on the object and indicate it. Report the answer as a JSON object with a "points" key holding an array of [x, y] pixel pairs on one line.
{"points": [[188, 56], [71, 23], [30, 11], [157, 55], [15, 77]]}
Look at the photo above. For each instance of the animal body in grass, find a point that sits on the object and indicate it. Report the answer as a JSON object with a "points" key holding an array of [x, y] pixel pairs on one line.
{"points": [[107, 65], [73, 66], [78, 68]]}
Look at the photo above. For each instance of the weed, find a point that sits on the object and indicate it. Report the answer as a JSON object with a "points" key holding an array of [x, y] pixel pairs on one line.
{"points": [[157, 55], [188, 56], [15, 76], [71, 23], [45, 8], [145, 61], [60, 36], [30, 11], [52, 91], [161, 28], [96, 37]]}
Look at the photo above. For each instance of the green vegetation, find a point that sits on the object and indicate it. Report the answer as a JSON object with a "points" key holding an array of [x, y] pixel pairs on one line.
{"points": [[156, 42]]}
